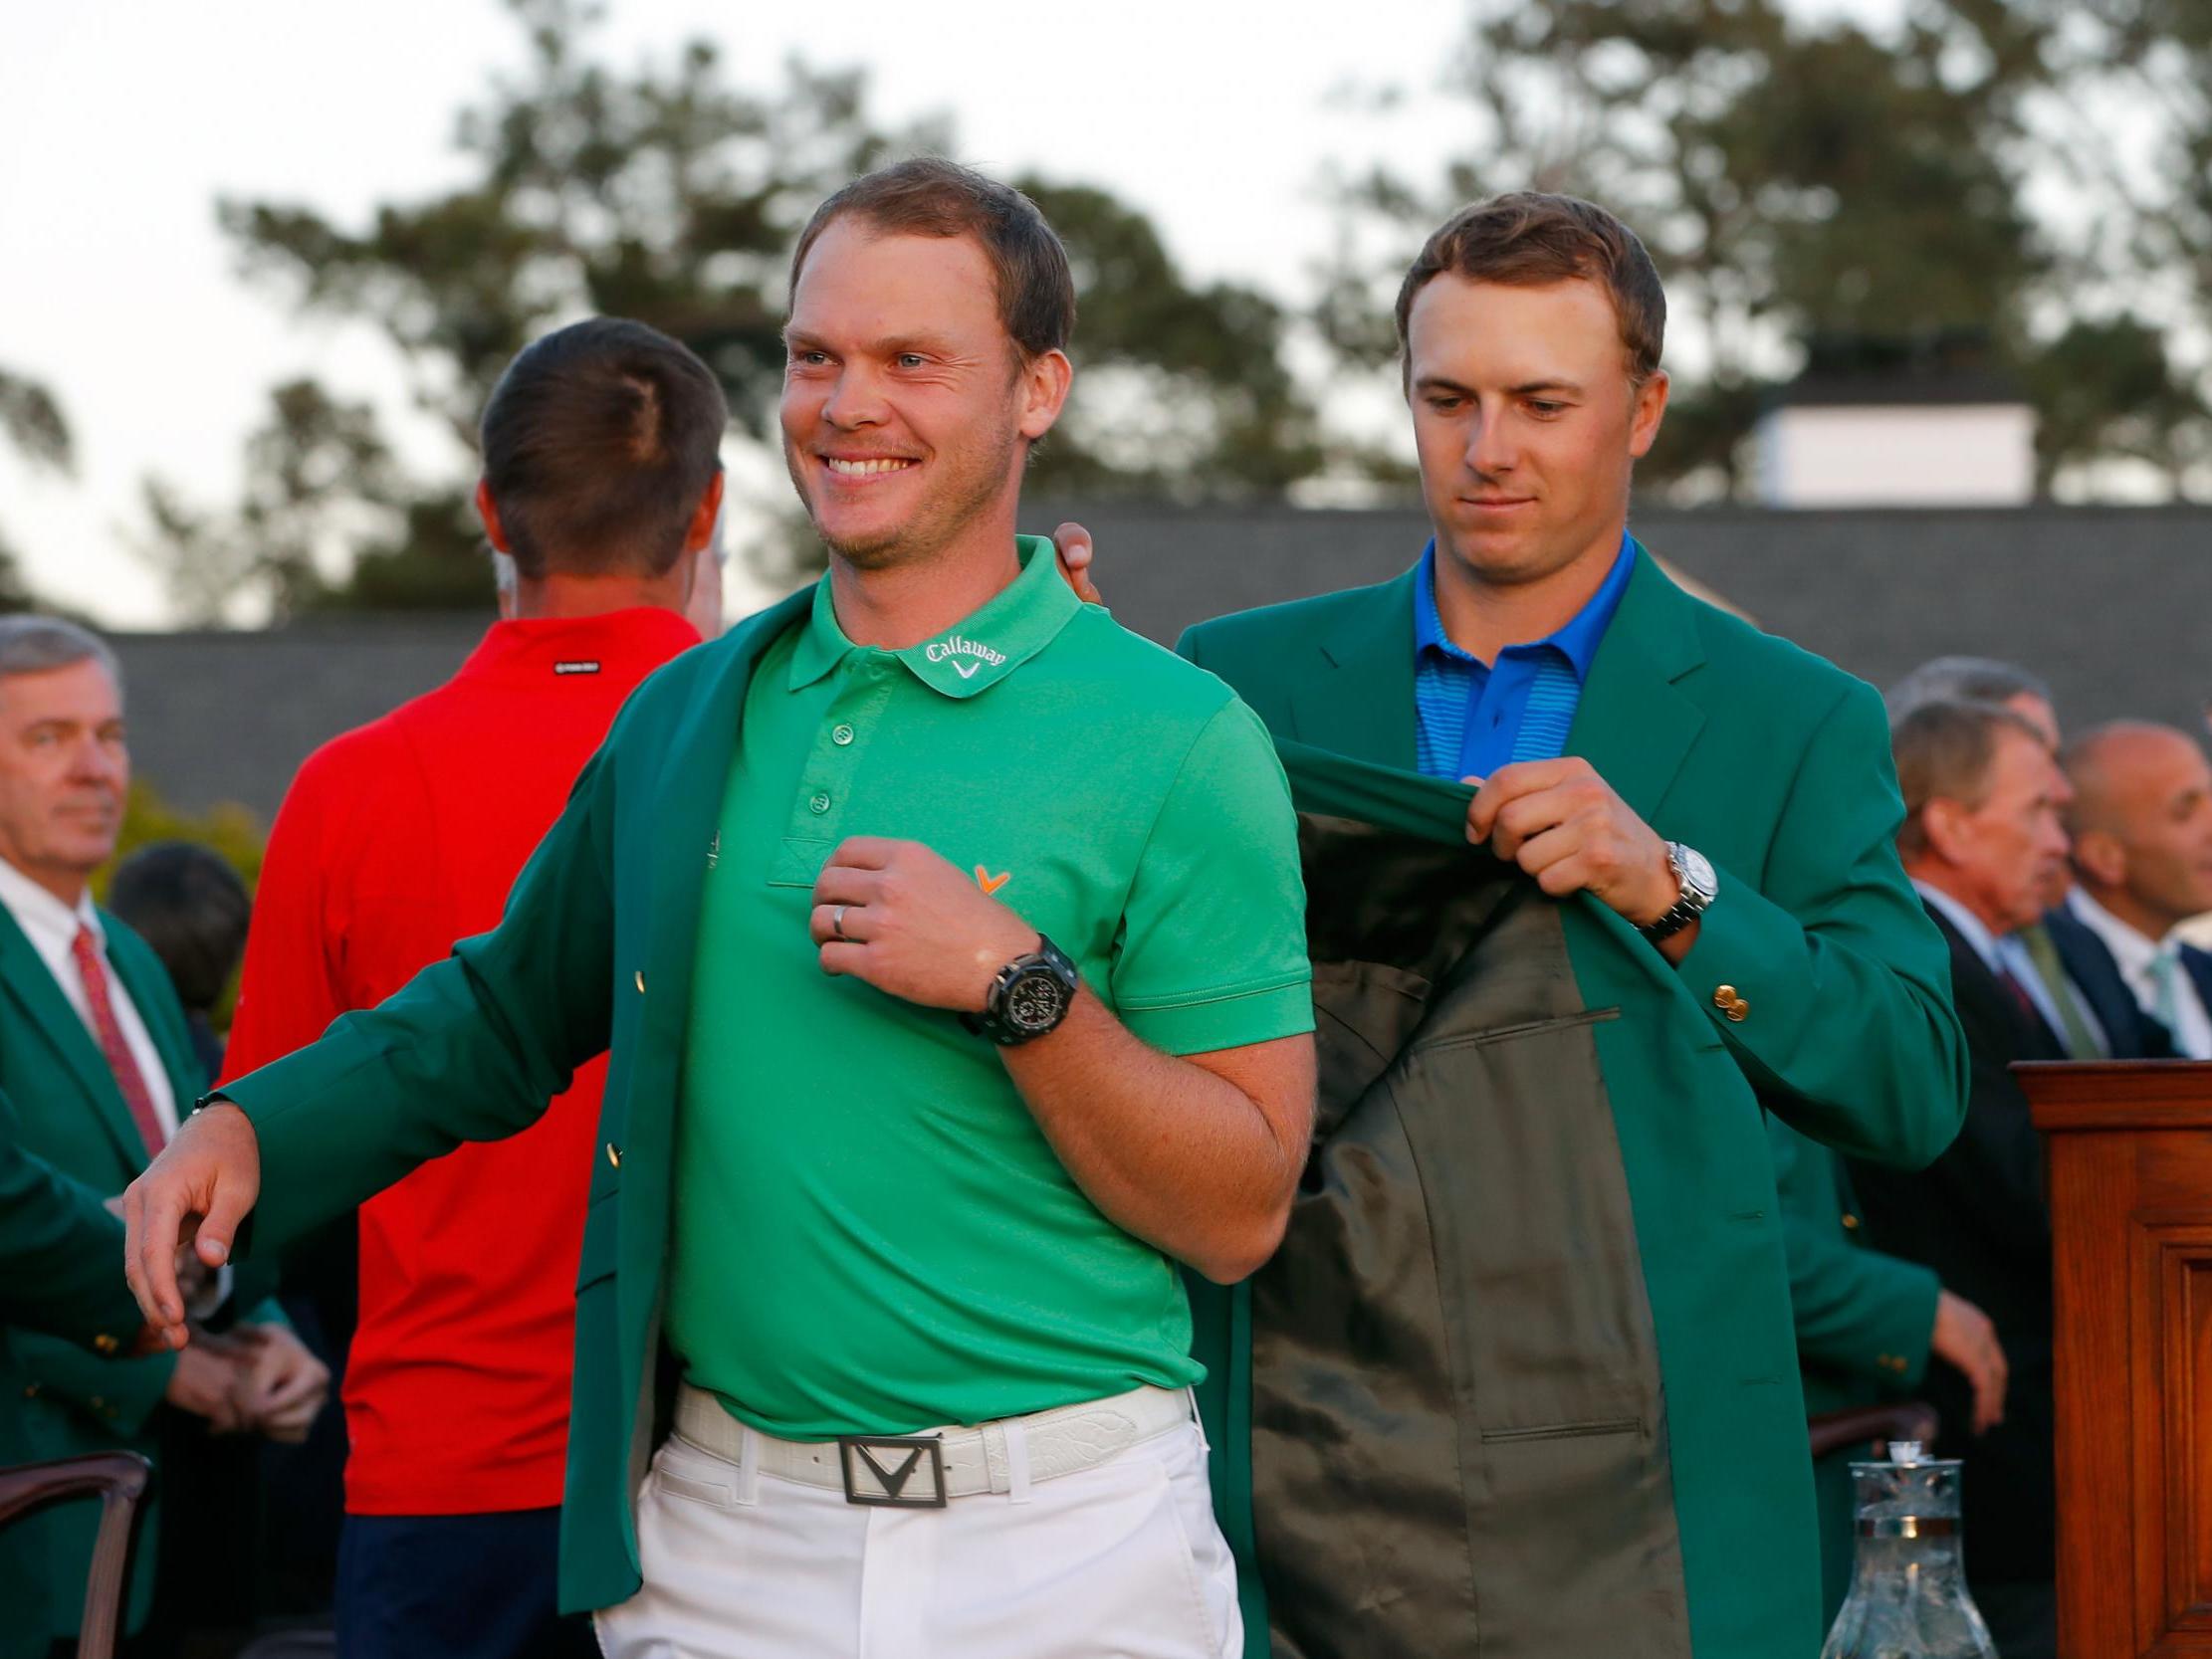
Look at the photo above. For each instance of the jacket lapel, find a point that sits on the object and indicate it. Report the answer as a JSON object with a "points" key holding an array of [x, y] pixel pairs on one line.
{"points": [[27, 980], [685, 794], [1360, 699], [693, 779], [1634, 724]]}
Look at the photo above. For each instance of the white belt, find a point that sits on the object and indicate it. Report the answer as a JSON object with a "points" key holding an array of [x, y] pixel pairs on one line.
{"points": [[922, 1471]]}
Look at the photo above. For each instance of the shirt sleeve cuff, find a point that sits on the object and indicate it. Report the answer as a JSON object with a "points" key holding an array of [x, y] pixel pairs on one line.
{"points": [[1226, 1020]]}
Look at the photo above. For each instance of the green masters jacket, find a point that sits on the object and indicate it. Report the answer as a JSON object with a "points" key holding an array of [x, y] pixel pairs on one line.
{"points": [[61, 1276], [60, 1257], [1864, 1320], [1620, 1417], [56, 1399]]}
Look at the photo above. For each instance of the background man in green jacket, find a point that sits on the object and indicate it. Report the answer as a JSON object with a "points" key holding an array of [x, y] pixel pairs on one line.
{"points": [[935, 786], [57, 1282], [97, 1053], [1867, 1324], [1720, 793]]}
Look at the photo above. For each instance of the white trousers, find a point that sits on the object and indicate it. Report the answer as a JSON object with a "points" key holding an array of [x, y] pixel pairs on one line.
{"points": [[1118, 1561]]}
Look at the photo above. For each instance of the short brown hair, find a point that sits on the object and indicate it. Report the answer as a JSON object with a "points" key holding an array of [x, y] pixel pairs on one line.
{"points": [[929, 196], [599, 441], [1944, 749], [1530, 238]]}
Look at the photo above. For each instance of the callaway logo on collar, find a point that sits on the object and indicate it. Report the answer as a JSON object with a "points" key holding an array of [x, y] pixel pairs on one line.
{"points": [[960, 645]]}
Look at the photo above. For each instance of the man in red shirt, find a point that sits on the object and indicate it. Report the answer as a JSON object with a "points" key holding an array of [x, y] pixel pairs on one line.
{"points": [[602, 485]]}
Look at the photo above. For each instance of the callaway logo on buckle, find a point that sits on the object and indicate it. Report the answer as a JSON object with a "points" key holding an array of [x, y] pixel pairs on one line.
{"points": [[878, 1469]]}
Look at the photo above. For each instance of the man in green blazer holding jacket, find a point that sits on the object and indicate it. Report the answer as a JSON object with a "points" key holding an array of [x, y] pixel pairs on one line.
{"points": [[1725, 795]]}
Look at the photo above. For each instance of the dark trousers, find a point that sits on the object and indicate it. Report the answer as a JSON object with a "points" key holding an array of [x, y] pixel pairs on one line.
{"points": [[454, 1587]]}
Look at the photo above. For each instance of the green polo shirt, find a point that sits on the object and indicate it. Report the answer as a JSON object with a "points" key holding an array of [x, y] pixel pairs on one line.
{"points": [[872, 1236]]}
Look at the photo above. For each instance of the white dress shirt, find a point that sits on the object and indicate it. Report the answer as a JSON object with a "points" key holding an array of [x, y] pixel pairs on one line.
{"points": [[52, 926], [2155, 972]]}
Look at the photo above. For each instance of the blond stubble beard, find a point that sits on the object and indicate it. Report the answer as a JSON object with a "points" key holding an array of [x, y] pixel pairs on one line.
{"points": [[932, 529]]}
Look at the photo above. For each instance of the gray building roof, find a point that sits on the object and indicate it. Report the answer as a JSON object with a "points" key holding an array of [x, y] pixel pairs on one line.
{"points": [[2111, 605]]}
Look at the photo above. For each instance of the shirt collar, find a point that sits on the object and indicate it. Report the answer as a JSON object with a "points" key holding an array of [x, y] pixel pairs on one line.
{"points": [[2132, 950], [1971, 927], [629, 642], [977, 651], [50, 924], [1577, 638]]}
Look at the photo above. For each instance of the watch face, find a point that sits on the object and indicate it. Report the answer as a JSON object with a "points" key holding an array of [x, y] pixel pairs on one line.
{"points": [[1697, 873], [1034, 1002]]}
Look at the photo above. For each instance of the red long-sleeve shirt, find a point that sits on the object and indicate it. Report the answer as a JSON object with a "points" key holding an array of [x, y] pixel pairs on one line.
{"points": [[395, 840]]}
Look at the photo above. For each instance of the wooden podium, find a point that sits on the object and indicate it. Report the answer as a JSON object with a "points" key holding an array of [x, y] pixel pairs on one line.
{"points": [[2129, 1162]]}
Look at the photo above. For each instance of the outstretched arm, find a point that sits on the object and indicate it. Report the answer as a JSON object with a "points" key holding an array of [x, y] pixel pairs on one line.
{"points": [[471, 1049]]}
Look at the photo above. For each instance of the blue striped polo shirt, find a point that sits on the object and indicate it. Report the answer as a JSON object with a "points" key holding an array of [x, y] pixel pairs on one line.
{"points": [[1475, 717]]}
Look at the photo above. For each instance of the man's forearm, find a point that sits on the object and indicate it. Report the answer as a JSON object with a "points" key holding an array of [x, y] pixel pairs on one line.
{"points": [[1173, 1151]]}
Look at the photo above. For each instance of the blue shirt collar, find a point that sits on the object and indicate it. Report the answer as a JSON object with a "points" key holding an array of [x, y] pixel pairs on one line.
{"points": [[1576, 640]]}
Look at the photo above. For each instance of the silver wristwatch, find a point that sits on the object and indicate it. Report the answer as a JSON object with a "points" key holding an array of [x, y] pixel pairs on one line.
{"points": [[1699, 886]]}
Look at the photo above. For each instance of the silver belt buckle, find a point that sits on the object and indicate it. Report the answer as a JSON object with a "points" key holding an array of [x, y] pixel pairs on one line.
{"points": [[878, 1469]]}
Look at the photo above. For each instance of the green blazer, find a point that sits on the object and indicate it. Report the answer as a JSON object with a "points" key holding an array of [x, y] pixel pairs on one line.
{"points": [[56, 1399], [60, 1255], [61, 1275], [1864, 1320], [1776, 765], [594, 954]]}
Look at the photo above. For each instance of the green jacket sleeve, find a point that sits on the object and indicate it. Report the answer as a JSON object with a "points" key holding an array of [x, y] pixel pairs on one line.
{"points": [[471, 1049], [120, 1394], [1858, 1312], [60, 1252], [1832, 925]]}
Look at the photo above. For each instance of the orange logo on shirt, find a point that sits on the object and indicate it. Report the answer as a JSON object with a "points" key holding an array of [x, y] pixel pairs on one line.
{"points": [[989, 883]]}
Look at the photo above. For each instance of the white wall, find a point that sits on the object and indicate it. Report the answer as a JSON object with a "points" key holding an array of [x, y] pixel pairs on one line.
{"points": [[1877, 454]]}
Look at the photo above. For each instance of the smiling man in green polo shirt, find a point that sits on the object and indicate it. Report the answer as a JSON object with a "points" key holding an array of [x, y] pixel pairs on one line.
{"points": [[961, 992]]}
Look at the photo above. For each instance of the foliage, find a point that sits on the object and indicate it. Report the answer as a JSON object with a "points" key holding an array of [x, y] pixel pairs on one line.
{"points": [[1799, 176], [670, 194], [225, 828], [33, 424]]}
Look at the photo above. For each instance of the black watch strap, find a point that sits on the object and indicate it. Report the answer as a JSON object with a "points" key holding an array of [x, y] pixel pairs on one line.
{"points": [[1029, 998]]}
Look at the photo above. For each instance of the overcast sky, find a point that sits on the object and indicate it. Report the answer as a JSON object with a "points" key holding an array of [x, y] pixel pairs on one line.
{"points": [[122, 121]]}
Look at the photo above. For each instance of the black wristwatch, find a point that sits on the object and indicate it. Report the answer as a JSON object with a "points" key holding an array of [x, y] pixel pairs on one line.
{"points": [[1700, 888], [1030, 997]]}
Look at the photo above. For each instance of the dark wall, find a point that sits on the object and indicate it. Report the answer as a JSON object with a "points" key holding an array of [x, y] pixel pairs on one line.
{"points": [[2111, 605]]}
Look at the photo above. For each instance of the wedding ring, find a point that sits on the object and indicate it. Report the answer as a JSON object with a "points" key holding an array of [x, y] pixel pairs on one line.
{"points": [[837, 920]]}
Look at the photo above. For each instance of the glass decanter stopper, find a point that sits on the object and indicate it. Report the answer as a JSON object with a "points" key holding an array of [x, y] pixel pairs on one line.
{"points": [[1909, 1596]]}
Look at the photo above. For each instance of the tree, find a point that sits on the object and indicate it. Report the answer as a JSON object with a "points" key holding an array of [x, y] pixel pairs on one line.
{"points": [[34, 425], [1184, 390], [316, 463], [672, 195], [2124, 117], [1796, 179]]}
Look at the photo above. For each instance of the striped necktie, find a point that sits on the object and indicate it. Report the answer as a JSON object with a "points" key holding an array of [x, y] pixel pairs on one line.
{"points": [[100, 1001]]}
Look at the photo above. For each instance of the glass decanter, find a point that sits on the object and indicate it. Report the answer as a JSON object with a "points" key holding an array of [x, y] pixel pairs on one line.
{"points": [[1909, 1596]]}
